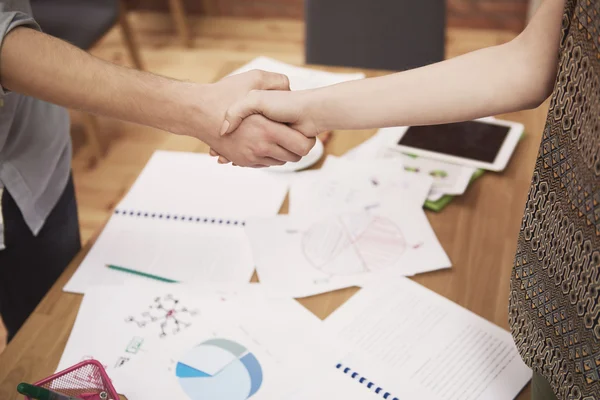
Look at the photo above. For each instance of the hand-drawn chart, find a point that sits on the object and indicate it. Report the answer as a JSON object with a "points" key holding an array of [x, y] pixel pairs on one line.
{"points": [[166, 312], [333, 245]]}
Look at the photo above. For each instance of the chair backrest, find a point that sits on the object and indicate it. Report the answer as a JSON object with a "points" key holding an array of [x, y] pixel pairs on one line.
{"points": [[80, 22], [379, 34]]}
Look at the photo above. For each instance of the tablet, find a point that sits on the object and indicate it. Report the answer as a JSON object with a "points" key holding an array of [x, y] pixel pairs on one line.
{"points": [[486, 144]]}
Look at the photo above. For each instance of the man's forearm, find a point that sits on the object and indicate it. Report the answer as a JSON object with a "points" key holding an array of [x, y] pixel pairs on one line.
{"points": [[38, 65], [41, 66], [509, 77], [468, 87]]}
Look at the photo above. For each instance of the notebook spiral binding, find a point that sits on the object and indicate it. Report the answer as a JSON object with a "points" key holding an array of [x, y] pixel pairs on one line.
{"points": [[364, 381], [182, 218]]}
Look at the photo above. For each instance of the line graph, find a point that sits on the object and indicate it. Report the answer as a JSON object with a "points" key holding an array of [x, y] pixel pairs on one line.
{"points": [[333, 245]]}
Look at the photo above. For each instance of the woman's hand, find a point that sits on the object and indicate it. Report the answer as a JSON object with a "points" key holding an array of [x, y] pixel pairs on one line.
{"points": [[258, 142], [290, 108]]}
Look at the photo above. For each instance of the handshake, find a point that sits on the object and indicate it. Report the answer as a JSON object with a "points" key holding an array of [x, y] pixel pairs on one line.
{"points": [[259, 121]]}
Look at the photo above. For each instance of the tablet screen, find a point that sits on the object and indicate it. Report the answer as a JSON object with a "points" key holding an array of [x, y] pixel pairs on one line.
{"points": [[473, 140]]}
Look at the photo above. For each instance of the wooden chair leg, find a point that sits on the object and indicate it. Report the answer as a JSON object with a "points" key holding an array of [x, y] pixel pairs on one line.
{"points": [[90, 125], [180, 20], [130, 43]]}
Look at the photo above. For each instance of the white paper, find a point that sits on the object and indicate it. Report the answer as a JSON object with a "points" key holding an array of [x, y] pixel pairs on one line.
{"points": [[116, 324], [344, 183], [415, 343], [369, 149], [449, 179], [304, 256], [282, 362], [182, 220], [186, 184], [300, 78], [123, 328], [183, 252], [292, 366]]}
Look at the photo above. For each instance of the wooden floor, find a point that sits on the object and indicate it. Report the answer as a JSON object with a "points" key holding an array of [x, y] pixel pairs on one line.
{"points": [[220, 44]]}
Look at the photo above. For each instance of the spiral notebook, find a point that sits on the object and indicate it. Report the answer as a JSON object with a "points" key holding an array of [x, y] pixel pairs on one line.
{"points": [[404, 341], [182, 221]]}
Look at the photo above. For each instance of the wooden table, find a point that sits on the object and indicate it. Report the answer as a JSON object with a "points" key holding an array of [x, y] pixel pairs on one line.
{"points": [[478, 231]]}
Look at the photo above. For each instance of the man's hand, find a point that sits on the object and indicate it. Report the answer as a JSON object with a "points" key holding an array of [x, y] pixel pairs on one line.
{"points": [[258, 142], [291, 108]]}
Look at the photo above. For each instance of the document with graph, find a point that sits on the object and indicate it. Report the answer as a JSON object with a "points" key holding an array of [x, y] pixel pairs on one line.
{"points": [[307, 255], [182, 221], [343, 183], [227, 347], [408, 342], [238, 360], [116, 324]]}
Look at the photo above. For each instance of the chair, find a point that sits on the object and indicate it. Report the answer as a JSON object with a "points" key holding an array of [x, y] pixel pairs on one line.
{"points": [[389, 34], [83, 23], [180, 20]]}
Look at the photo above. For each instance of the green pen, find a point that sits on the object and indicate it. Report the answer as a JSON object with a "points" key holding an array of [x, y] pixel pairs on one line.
{"points": [[40, 393], [139, 273]]}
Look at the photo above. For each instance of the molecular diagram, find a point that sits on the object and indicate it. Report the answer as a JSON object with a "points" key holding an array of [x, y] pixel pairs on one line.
{"points": [[167, 313]]}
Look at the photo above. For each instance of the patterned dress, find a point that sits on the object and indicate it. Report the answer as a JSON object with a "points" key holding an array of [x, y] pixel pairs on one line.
{"points": [[555, 288]]}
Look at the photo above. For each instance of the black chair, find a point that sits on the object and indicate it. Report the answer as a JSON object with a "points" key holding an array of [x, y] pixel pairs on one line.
{"points": [[383, 34], [84, 22]]}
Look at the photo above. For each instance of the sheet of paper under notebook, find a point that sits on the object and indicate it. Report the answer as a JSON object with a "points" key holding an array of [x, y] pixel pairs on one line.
{"points": [[215, 346], [308, 254], [182, 221], [115, 324], [412, 343], [301, 78]]}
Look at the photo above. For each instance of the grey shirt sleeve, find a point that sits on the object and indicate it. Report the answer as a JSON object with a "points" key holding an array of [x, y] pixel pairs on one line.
{"points": [[10, 20]]}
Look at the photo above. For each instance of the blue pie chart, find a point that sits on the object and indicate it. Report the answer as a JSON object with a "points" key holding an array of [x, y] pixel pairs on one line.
{"points": [[219, 369]]}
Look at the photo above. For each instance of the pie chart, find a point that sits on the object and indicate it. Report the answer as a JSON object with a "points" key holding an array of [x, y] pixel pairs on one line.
{"points": [[219, 369]]}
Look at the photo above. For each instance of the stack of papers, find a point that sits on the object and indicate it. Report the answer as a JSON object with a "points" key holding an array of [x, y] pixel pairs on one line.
{"points": [[174, 342], [449, 179], [209, 334], [349, 223], [183, 219], [116, 324], [393, 340], [416, 344]]}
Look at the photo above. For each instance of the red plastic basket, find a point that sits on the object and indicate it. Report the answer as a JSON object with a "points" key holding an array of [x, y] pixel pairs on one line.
{"points": [[86, 380]]}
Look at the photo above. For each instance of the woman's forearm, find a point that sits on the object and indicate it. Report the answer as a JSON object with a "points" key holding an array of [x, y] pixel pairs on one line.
{"points": [[509, 77], [468, 87]]}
